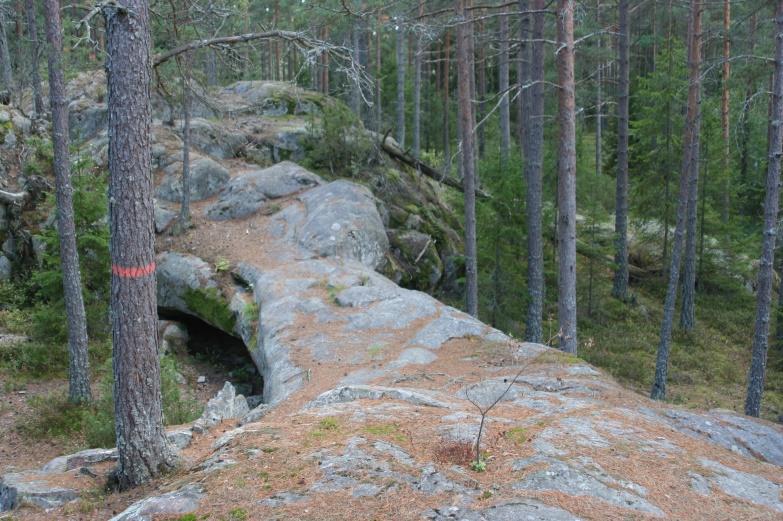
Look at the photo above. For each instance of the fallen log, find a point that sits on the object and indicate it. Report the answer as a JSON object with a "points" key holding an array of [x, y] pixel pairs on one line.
{"points": [[391, 147]]}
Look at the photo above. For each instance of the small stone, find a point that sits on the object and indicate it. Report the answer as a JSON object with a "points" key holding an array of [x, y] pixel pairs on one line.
{"points": [[201, 380]]}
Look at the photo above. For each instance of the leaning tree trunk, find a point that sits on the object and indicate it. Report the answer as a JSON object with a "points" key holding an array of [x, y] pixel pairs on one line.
{"points": [[566, 178], [143, 451], [78, 361], [35, 52], [400, 48], [620, 284], [658, 391], [533, 174], [504, 109], [758, 362], [688, 310], [464, 72]]}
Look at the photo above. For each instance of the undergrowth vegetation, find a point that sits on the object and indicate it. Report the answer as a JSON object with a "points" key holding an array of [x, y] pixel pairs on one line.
{"points": [[33, 306]]}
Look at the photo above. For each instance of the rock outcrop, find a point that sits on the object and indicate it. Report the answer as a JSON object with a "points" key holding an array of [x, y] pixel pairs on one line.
{"points": [[374, 395]]}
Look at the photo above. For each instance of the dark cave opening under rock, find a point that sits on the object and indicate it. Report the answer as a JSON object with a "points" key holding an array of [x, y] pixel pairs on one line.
{"points": [[226, 353]]}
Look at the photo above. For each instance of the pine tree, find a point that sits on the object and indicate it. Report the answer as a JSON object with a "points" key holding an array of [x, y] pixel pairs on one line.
{"points": [[142, 448], [758, 364], [566, 178], [79, 363]]}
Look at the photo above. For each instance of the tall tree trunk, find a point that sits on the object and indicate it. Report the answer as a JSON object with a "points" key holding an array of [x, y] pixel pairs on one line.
{"points": [[356, 87], [533, 181], [78, 361], [620, 284], [378, 81], [504, 109], [523, 75], [210, 64], [481, 91], [688, 310], [417, 59], [446, 105], [35, 52], [566, 178], [464, 72], [744, 167], [668, 160], [184, 210], [724, 112], [400, 48], [758, 362], [658, 391], [143, 451], [5, 55]]}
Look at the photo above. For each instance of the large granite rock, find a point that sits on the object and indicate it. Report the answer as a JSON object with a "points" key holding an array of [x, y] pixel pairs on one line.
{"points": [[207, 177], [248, 193], [339, 219], [31, 488]]}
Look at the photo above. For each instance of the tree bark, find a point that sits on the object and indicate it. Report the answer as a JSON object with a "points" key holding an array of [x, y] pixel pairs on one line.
{"points": [[143, 451], [5, 55], [566, 178], [184, 210], [464, 72], [481, 91], [447, 105], [533, 180], [503, 81], [523, 75], [758, 361], [400, 52], [35, 52], [658, 391], [688, 310], [724, 112], [417, 64], [620, 283], [378, 73], [78, 361]]}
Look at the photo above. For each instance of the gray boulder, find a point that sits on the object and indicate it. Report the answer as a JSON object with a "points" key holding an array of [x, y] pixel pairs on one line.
{"points": [[182, 501], [163, 218], [5, 268], [215, 139], [30, 488], [86, 119], [226, 405], [80, 459], [207, 178], [248, 193], [342, 220]]}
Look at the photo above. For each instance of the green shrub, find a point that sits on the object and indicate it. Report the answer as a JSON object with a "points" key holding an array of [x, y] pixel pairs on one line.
{"points": [[335, 142], [34, 358], [54, 416]]}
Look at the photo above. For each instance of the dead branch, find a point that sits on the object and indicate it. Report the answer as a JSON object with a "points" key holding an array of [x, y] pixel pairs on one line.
{"points": [[394, 151]]}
